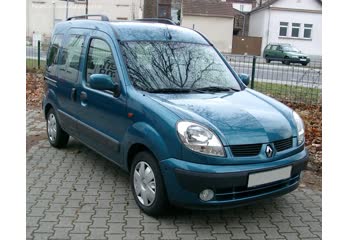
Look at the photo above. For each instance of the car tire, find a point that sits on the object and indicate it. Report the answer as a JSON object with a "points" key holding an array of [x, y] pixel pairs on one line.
{"points": [[57, 137], [304, 64], [147, 185], [286, 61], [267, 59]]}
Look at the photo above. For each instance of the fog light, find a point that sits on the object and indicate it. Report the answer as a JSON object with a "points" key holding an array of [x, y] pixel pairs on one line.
{"points": [[206, 195]]}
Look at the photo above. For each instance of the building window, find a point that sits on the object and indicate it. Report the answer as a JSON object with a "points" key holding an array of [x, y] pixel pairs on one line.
{"points": [[307, 30], [283, 29], [164, 11], [295, 29]]}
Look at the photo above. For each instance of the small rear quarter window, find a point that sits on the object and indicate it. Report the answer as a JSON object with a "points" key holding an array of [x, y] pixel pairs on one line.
{"points": [[52, 55]]}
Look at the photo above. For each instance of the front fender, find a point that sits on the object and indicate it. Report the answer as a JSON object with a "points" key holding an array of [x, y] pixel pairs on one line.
{"points": [[143, 133]]}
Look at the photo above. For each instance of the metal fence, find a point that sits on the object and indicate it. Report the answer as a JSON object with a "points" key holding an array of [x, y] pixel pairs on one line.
{"points": [[292, 82], [36, 55]]}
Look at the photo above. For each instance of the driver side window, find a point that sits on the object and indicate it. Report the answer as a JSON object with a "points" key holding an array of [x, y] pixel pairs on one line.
{"points": [[100, 60]]}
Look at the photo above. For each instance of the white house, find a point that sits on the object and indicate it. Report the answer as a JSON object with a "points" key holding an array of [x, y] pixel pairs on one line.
{"points": [[298, 22], [42, 15]]}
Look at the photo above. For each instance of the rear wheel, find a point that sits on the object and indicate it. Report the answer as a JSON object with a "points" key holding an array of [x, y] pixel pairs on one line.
{"points": [[268, 60], [304, 64], [57, 137], [147, 184]]}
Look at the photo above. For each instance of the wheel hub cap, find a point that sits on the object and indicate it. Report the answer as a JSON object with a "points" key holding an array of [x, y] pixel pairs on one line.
{"points": [[51, 127], [144, 183]]}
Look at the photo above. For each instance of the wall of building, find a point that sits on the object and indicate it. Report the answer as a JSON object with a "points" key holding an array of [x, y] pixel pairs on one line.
{"points": [[298, 4], [311, 46], [217, 29], [43, 14], [258, 23]]}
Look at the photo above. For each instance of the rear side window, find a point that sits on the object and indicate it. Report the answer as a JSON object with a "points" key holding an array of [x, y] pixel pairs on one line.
{"points": [[54, 49], [274, 47], [70, 58], [100, 60]]}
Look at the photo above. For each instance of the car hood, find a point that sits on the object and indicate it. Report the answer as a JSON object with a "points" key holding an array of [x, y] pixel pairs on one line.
{"points": [[244, 117]]}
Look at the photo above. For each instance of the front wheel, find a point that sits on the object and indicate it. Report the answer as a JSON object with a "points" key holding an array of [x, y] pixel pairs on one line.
{"points": [[57, 136], [147, 184]]}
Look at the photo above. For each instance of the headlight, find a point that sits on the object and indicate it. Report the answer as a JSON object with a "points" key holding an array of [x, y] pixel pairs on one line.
{"points": [[300, 127], [200, 139]]}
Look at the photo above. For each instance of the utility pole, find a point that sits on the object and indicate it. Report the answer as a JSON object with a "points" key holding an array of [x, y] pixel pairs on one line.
{"points": [[67, 9], [87, 7], [53, 13], [244, 24], [157, 14]]}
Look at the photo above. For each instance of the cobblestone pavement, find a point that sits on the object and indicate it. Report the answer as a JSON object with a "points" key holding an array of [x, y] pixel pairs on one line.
{"points": [[76, 194]]}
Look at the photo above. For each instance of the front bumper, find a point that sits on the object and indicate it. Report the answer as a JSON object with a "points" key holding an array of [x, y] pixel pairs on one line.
{"points": [[185, 180], [299, 60]]}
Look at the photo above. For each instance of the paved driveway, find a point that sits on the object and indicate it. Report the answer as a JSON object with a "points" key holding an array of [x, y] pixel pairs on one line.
{"points": [[76, 194]]}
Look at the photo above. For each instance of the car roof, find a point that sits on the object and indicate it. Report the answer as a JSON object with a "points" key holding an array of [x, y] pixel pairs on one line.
{"points": [[282, 44], [136, 30]]}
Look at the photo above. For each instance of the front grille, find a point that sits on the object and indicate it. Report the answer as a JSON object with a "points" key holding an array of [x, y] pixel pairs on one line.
{"points": [[284, 144], [250, 150], [246, 150]]}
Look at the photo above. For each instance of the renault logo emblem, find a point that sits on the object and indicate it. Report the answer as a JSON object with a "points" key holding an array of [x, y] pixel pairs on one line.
{"points": [[269, 151]]}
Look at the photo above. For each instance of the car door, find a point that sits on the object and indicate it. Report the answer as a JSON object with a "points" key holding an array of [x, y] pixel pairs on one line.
{"points": [[102, 115], [68, 70], [279, 52], [273, 52]]}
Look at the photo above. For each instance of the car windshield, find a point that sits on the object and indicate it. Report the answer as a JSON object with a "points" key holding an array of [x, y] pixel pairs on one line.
{"points": [[164, 66], [290, 49]]}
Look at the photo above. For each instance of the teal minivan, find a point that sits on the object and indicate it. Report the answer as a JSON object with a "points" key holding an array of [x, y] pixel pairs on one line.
{"points": [[163, 104]]}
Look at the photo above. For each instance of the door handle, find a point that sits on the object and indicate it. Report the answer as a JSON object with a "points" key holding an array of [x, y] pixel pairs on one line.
{"points": [[83, 96], [73, 94]]}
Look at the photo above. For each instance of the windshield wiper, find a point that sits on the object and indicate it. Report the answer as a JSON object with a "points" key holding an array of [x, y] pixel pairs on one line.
{"points": [[217, 89], [174, 90]]}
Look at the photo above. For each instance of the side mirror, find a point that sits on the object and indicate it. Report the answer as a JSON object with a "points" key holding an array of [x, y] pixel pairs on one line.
{"points": [[245, 78], [104, 82]]}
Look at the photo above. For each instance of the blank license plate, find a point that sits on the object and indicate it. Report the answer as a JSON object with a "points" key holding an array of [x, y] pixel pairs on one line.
{"points": [[302, 59], [260, 178]]}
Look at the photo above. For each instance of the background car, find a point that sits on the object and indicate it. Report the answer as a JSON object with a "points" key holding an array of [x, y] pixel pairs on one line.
{"points": [[285, 53]]}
